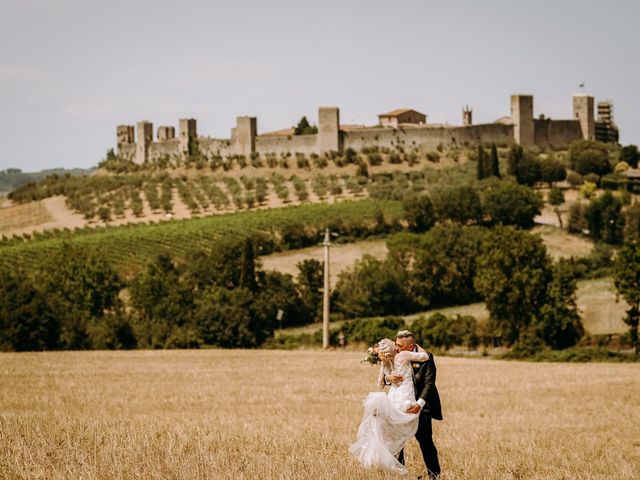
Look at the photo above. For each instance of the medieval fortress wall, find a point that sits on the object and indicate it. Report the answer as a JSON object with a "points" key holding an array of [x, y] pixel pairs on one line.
{"points": [[520, 128]]}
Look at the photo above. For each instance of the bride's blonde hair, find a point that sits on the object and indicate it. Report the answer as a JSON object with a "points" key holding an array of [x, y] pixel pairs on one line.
{"points": [[386, 345]]}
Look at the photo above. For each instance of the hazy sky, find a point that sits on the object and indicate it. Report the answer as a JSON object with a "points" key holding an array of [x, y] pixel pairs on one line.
{"points": [[71, 70]]}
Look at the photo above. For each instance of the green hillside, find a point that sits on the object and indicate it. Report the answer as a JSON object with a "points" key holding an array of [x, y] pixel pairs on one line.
{"points": [[277, 229]]}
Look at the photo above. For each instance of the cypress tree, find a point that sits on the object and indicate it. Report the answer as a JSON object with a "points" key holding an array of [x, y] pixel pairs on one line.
{"points": [[481, 168], [248, 268], [495, 162], [513, 162]]}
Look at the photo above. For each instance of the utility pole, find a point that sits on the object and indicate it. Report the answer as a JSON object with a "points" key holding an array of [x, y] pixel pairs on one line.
{"points": [[325, 292]]}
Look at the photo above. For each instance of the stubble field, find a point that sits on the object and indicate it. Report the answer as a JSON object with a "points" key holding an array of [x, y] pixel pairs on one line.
{"points": [[290, 415]]}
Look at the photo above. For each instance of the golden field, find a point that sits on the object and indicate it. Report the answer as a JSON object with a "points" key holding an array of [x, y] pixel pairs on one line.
{"points": [[289, 415]]}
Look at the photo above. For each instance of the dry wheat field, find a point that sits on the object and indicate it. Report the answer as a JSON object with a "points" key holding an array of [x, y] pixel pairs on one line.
{"points": [[292, 415]]}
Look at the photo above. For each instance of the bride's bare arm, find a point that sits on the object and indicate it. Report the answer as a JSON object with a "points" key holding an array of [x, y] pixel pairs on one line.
{"points": [[384, 369]]}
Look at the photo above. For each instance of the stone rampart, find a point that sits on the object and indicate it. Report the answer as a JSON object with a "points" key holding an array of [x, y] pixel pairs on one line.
{"points": [[426, 138], [521, 128], [556, 133], [306, 144]]}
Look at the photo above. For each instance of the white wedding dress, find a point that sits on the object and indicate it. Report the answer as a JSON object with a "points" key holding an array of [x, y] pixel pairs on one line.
{"points": [[385, 425]]}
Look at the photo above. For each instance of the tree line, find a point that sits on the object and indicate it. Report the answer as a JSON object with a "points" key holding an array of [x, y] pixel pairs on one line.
{"points": [[223, 298]]}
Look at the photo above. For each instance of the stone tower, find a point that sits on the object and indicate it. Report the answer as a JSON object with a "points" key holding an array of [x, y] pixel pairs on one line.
{"points": [[166, 133], [143, 140], [125, 135], [187, 130], [522, 118], [467, 116], [245, 135], [583, 112], [329, 130]]}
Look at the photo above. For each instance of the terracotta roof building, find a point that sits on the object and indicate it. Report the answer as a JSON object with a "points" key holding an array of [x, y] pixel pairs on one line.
{"points": [[402, 115]]}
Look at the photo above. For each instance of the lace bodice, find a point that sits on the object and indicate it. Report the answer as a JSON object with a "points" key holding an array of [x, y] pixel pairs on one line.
{"points": [[402, 395]]}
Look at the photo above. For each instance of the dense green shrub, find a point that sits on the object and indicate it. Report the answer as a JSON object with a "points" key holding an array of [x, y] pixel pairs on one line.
{"points": [[440, 265], [605, 220], [507, 203], [589, 156], [372, 287], [419, 212], [372, 330], [28, 317], [440, 331], [458, 204]]}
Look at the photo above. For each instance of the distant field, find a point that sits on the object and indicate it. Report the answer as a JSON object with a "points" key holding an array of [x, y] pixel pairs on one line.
{"points": [[292, 415], [18, 216], [601, 314]]}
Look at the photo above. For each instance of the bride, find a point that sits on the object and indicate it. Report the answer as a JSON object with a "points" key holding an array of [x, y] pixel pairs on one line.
{"points": [[386, 426]]}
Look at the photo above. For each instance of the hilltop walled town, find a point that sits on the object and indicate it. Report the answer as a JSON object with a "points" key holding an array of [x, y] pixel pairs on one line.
{"points": [[404, 129]]}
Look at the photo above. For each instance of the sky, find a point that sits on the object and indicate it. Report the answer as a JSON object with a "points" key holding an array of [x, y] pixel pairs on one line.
{"points": [[71, 70]]}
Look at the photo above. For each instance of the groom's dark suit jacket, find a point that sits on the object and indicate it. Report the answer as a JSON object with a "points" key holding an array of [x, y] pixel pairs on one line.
{"points": [[424, 381]]}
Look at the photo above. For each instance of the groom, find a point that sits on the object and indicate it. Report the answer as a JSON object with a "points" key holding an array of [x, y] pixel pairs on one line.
{"points": [[427, 402]]}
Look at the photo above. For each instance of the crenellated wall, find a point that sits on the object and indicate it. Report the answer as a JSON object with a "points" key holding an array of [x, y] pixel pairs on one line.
{"points": [[521, 128]]}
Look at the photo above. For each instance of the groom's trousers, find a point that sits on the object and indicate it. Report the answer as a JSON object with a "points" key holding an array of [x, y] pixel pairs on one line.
{"points": [[424, 435]]}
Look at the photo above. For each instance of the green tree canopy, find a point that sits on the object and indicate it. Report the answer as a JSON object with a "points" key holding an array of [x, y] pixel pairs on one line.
{"points": [[419, 212], [372, 287], [494, 162], [513, 273], [516, 154], [441, 263], [627, 282], [162, 301], [559, 324], [441, 331], [552, 170], [507, 203], [631, 155], [310, 281], [28, 319], [605, 220], [305, 128], [529, 170], [82, 278], [229, 319], [589, 156], [458, 204]]}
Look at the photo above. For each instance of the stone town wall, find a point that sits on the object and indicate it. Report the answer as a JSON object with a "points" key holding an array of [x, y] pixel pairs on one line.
{"points": [[168, 148], [214, 146], [306, 144], [522, 130], [556, 133], [127, 150], [429, 138]]}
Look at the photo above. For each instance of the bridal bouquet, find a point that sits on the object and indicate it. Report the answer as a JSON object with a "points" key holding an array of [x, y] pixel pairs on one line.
{"points": [[372, 358]]}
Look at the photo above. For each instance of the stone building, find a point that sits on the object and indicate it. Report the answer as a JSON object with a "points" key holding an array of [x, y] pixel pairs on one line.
{"points": [[412, 133], [401, 116]]}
